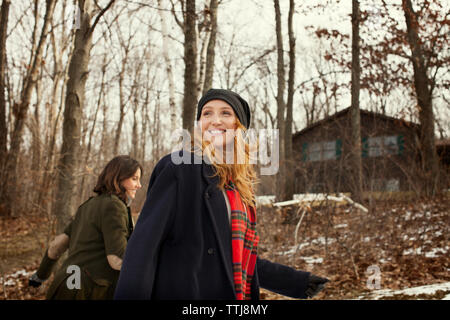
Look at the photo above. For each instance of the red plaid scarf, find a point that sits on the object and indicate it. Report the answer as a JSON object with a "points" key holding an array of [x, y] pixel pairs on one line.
{"points": [[244, 243]]}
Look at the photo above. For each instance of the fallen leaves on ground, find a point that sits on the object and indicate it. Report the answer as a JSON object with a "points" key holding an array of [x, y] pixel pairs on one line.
{"points": [[407, 241]]}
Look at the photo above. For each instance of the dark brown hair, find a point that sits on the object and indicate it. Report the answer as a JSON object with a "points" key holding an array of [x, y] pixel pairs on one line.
{"points": [[117, 170]]}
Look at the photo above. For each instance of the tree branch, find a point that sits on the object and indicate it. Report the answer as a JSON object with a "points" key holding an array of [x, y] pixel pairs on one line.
{"points": [[91, 29]]}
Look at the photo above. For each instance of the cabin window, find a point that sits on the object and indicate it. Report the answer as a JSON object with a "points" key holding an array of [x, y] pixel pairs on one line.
{"points": [[322, 151], [382, 146]]}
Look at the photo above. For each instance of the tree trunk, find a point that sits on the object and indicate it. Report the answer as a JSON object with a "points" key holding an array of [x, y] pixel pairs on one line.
{"points": [[4, 13], [105, 142], [11, 163], [289, 183], [59, 73], [190, 71], [35, 129], [210, 54], [91, 132], [121, 111], [37, 171], [135, 146], [281, 176], [430, 164], [170, 79], [356, 167], [155, 135], [74, 102], [122, 102], [202, 61], [135, 135]]}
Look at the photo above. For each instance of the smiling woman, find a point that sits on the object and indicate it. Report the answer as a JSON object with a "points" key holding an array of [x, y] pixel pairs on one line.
{"points": [[218, 123], [120, 177], [132, 184], [196, 236], [96, 238]]}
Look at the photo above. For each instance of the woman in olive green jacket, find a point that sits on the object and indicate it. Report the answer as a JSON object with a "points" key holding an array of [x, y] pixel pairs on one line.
{"points": [[96, 238]]}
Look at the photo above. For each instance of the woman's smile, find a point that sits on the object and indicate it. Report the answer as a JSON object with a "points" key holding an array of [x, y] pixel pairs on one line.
{"points": [[218, 122], [216, 132]]}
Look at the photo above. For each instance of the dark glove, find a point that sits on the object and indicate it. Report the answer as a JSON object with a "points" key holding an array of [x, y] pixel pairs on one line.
{"points": [[34, 281], [315, 285], [43, 272]]}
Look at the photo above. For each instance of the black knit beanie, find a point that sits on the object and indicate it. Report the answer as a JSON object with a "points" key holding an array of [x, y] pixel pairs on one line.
{"points": [[239, 105]]}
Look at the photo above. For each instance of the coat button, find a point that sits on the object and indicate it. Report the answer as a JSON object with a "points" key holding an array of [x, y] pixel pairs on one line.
{"points": [[210, 251]]}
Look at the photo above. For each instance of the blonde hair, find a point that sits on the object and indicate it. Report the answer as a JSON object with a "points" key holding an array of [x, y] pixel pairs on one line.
{"points": [[241, 171]]}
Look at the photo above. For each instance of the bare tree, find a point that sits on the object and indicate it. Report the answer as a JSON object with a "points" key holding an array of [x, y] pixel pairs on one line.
{"points": [[4, 14], [170, 78], [11, 163], [58, 76], [430, 164], [125, 45], [285, 182], [289, 183], [210, 55], [190, 61], [100, 101], [355, 114], [74, 101], [281, 104]]}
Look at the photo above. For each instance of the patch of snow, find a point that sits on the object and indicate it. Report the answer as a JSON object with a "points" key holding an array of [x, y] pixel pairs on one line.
{"points": [[435, 252], [264, 200], [408, 215], [11, 278], [343, 225], [322, 240], [10, 282], [22, 272], [310, 196], [303, 197], [417, 251], [292, 250], [438, 233], [382, 260], [407, 237], [312, 260], [427, 289]]}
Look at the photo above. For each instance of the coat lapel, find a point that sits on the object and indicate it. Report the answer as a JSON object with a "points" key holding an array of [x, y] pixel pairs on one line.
{"points": [[217, 210]]}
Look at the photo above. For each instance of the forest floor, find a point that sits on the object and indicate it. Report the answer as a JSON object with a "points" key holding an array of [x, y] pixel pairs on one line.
{"points": [[398, 250], [374, 255]]}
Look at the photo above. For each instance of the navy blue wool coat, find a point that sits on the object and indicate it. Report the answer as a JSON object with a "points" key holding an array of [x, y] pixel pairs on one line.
{"points": [[181, 245]]}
